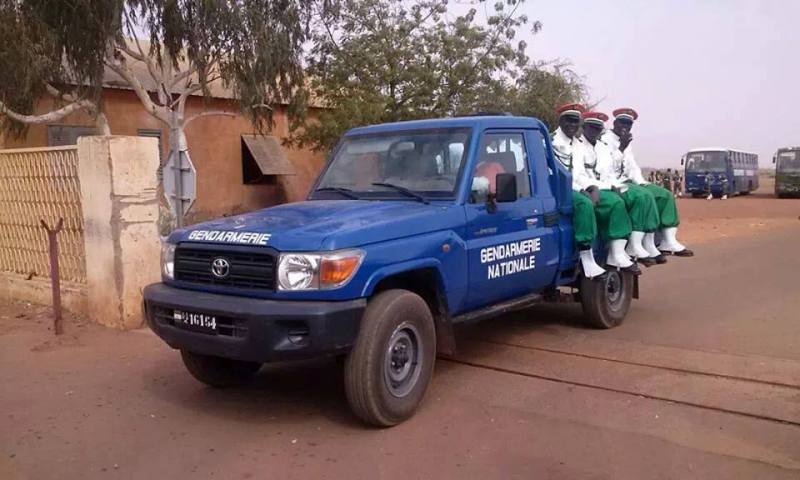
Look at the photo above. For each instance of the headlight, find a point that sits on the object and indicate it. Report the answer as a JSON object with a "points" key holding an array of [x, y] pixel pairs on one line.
{"points": [[315, 271], [168, 260]]}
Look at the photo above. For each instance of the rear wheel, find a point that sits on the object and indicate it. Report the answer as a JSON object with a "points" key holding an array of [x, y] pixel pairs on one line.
{"points": [[607, 298], [217, 371], [388, 370]]}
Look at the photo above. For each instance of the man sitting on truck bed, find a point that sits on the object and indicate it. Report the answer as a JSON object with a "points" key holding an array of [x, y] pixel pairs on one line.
{"points": [[625, 169], [640, 204], [593, 203]]}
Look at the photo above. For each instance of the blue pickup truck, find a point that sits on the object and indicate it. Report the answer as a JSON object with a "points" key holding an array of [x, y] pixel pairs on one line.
{"points": [[411, 228]]}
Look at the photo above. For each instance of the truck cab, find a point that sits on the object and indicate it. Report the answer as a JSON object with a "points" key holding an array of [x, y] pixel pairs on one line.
{"points": [[410, 228]]}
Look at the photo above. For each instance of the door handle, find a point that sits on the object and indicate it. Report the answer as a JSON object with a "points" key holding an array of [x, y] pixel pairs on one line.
{"points": [[551, 219]]}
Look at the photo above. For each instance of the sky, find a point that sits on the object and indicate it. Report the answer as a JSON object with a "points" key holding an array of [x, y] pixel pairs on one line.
{"points": [[700, 73]]}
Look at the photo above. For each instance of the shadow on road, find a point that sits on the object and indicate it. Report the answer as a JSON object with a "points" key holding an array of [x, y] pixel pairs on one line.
{"points": [[284, 392]]}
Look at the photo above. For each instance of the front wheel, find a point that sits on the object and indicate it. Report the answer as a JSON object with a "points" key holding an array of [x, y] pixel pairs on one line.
{"points": [[217, 371], [607, 298], [388, 370]]}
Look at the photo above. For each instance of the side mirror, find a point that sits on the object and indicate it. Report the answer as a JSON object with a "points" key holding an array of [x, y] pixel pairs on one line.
{"points": [[683, 159], [506, 184], [775, 159]]}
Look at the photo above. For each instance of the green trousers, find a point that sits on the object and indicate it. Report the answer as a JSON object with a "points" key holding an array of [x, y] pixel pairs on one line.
{"points": [[609, 217], [613, 221], [665, 203], [583, 219], [641, 205]]}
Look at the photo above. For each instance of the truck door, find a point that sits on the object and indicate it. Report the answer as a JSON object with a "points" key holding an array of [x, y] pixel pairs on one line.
{"points": [[505, 247]]}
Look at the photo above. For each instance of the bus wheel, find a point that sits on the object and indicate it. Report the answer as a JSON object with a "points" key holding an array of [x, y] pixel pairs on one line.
{"points": [[388, 370], [607, 298]]}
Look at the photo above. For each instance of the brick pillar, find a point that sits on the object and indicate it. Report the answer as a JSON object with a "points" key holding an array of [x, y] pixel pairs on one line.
{"points": [[120, 212]]}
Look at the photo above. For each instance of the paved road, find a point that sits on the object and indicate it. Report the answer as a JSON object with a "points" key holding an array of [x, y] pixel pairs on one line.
{"points": [[702, 381]]}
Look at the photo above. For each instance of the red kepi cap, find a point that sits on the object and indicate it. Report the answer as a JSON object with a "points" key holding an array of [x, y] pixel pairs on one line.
{"points": [[573, 109], [625, 114], [597, 118]]}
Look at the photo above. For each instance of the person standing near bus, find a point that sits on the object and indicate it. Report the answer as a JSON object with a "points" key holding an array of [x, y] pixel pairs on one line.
{"points": [[666, 182], [709, 180], [677, 188], [625, 169], [591, 205], [724, 181]]}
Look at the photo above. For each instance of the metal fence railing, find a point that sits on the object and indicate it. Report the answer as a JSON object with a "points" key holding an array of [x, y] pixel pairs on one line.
{"points": [[40, 184]]}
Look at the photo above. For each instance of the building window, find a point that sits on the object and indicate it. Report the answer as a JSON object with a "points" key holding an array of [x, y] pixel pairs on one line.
{"points": [[60, 135], [154, 133]]}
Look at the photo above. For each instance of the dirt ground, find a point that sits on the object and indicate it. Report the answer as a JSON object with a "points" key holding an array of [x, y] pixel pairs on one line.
{"points": [[701, 381]]}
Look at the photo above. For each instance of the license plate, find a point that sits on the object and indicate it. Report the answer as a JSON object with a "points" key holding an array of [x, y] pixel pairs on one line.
{"points": [[199, 322]]}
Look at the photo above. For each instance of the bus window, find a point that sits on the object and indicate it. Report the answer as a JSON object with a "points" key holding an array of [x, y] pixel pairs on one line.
{"points": [[706, 162]]}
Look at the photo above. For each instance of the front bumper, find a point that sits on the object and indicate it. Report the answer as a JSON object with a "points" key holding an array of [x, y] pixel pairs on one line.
{"points": [[252, 329]]}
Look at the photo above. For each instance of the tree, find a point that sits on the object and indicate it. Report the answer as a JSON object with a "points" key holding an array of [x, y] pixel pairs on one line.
{"points": [[375, 61], [540, 88], [65, 47], [35, 62]]}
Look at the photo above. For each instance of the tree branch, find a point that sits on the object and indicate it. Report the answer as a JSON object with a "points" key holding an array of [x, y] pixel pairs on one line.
{"points": [[117, 65], [53, 116], [101, 121], [155, 74], [208, 114]]}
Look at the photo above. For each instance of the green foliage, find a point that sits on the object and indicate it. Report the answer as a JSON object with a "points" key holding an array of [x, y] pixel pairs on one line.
{"points": [[34, 53], [541, 87], [252, 46], [376, 61]]}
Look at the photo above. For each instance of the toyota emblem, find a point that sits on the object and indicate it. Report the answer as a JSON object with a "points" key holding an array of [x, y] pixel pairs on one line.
{"points": [[220, 267]]}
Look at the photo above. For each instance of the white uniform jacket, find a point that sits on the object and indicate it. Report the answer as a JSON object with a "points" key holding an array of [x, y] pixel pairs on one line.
{"points": [[624, 166], [571, 152], [591, 163]]}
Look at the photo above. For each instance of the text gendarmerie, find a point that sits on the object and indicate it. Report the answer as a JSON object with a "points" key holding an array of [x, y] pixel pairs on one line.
{"points": [[246, 238]]}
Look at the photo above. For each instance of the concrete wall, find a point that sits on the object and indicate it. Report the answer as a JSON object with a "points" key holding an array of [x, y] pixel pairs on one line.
{"points": [[14, 286], [120, 209], [215, 148]]}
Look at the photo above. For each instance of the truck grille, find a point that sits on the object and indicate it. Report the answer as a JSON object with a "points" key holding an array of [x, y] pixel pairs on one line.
{"points": [[248, 267]]}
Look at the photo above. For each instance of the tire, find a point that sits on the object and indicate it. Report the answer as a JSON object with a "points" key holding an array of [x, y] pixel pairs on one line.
{"points": [[606, 299], [219, 372], [388, 370]]}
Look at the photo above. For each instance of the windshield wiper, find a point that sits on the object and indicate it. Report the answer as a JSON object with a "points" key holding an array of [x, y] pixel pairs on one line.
{"points": [[344, 191], [403, 190]]}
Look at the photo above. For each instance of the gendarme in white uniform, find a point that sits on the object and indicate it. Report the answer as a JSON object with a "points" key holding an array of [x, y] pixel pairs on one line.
{"points": [[579, 156], [623, 164]]}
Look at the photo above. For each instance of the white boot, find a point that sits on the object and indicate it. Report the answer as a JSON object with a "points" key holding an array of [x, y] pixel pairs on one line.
{"points": [[616, 254], [649, 244], [725, 197], [590, 268], [710, 196], [635, 248], [669, 240]]}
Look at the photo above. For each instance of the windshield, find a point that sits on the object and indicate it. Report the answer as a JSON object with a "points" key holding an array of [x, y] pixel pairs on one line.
{"points": [[425, 162], [789, 161], [706, 162]]}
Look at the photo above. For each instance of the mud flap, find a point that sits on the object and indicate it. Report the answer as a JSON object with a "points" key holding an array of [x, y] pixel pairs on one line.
{"points": [[445, 337]]}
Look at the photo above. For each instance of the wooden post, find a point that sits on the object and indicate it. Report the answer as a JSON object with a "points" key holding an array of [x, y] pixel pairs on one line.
{"points": [[55, 280]]}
